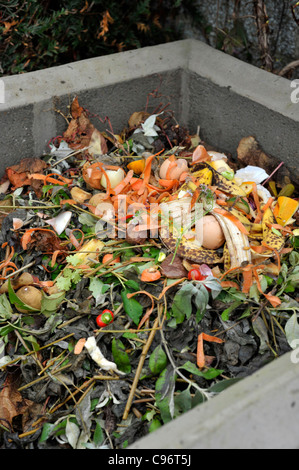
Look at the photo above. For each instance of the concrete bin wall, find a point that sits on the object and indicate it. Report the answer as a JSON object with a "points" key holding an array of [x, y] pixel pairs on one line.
{"points": [[229, 100]]}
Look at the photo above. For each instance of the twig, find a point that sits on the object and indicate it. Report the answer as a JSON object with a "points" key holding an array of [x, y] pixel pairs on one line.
{"points": [[276, 169], [288, 67], [293, 12], [262, 21], [19, 270], [203, 391], [21, 339], [71, 155], [46, 376], [139, 368], [50, 206]]}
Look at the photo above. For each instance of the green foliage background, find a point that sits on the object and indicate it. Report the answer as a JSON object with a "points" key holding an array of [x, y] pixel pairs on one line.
{"points": [[37, 34]]}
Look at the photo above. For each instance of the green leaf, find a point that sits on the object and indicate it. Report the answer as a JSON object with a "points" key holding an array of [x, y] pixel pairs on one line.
{"points": [[293, 279], [165, 386], [157, 360], [131, 284], [5, 330], [98, 289], [277, 232], [98, 436], [182, 303], [229, 175], [131, 306], [50, 303], [120, 356], [261, 331], [183, 401], [74, 260], [209, 374], [155, 424], [5, 307], [201, 297], [294, 258], [223, 384], [227, 312], [87, 219], [14, 299], [140, 268], [254, 293], [69, 277], [214, 285], [46, 432]]}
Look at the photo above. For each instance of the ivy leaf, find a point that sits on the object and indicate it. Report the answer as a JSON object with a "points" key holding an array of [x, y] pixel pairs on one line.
{"points": [[196, 293], [182, 303], [213, 285], [201, 297]]}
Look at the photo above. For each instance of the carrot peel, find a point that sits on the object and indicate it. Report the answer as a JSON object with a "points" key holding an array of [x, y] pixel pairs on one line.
{"points": [[200, 357]]}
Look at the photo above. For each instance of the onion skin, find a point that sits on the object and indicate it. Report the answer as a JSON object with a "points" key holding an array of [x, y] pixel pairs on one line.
{"points": [[115, 177], [174, 173]]}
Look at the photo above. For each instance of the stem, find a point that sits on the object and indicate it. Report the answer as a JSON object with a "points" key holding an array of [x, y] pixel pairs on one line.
{"points": [[139, 368]]}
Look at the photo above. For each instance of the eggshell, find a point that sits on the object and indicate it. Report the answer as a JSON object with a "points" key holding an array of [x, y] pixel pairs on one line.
{"points": [[176, 171], [213, 236]]}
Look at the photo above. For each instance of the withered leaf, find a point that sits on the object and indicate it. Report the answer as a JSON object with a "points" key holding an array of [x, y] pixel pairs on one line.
{"points": [[82, 133], [137, 118], [173, 269], [18, 174], [76, 109], [45, 242], [11, 401]]}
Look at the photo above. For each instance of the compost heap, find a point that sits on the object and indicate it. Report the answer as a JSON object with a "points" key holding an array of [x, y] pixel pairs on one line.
{"points": [[97, 224]]}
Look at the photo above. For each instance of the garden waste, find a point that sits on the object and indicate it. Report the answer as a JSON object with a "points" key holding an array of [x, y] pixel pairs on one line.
{"points": [[142, 273]]}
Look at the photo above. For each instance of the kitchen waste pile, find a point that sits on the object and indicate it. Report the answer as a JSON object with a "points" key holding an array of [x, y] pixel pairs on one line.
{"points": [[141, 274]]}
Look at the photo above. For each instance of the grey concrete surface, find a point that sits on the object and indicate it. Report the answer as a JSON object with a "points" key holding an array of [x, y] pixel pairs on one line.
{"points": [[229, 100], [259, 412], [113, 86]]}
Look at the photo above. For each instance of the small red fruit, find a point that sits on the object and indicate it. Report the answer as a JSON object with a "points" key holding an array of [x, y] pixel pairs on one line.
{"points": [[195, 275], [105, 318]]}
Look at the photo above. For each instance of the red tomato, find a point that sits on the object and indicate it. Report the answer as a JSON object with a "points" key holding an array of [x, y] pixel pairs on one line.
{"points": [[195, 275], [105, 318]]}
